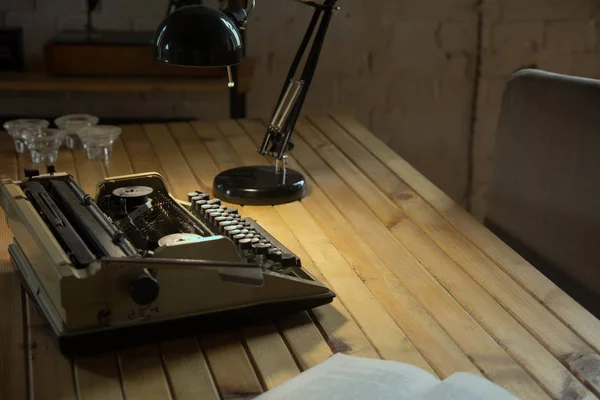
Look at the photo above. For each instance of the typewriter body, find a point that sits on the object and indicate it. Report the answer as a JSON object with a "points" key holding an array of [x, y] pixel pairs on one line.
{"points": [[137, 264]]}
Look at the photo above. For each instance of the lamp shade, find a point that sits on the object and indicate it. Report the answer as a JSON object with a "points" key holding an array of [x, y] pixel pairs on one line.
{"points": [[198, 36]]}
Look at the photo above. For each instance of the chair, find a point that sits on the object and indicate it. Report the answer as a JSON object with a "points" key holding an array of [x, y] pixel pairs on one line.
{"points": [[545, 196]]}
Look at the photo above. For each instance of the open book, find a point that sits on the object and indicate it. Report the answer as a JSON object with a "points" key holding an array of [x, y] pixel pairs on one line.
{"points": [[353, 378]]}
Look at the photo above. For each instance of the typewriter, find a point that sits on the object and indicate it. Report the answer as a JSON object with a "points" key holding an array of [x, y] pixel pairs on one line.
{"points": [[137, 265]]}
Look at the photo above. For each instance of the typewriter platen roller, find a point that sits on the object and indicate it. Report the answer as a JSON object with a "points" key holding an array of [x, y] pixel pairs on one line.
{"points": [[137, 264]]}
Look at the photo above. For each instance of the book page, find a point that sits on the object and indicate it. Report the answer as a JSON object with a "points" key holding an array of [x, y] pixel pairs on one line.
{"points": [[465, 386], [344, 377]]}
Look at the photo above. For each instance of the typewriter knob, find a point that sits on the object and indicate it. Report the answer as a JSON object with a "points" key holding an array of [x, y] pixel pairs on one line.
{"points": [[144, 290], [288, 260]]}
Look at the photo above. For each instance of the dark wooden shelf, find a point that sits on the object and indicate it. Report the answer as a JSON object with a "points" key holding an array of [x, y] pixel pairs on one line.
{"points": [[23, 81]]}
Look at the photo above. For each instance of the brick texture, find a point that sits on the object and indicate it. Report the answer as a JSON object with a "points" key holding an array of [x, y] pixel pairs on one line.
{"points": [[402, 72], [554, 35], [405, 68]]}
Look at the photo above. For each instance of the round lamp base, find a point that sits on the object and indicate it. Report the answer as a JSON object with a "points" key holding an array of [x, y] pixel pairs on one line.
{"points": [[259, 186]]}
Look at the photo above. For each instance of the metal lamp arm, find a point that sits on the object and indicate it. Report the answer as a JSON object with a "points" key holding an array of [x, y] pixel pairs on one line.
{"points": [[276, 142]]}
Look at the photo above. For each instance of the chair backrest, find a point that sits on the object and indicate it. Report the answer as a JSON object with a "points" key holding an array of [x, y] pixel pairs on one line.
{"points": [[545, 196]]}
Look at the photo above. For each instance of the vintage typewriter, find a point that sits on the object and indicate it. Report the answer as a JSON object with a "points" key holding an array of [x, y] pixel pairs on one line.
{"points": [[138, 265]]}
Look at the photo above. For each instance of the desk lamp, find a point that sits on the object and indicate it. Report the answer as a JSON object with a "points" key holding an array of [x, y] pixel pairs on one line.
{"points": [[200, 36]]}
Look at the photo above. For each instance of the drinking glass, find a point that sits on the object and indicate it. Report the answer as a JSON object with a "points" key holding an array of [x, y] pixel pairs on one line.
{"points": [[98, 140], [18, 128], [44, 144], [72, 123]]}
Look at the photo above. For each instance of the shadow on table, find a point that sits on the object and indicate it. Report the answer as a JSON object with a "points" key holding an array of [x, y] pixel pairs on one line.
{"points": [[222, 359]]}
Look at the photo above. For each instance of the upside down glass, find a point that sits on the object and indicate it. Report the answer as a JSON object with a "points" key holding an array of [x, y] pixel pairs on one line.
{"points": [[72, 123], [19, 128], [98, 140], [44, 144]]}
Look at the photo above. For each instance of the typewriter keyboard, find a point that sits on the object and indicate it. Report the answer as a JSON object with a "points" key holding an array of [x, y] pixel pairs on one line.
{"points": [[253, 241]]}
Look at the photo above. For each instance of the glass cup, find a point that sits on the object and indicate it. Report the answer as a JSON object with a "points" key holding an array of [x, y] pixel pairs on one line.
{"points": [[72, 123], [44, 144], [98, 140], [19, 128]]}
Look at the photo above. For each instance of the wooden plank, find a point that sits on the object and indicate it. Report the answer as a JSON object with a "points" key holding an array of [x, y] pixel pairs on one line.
{"points": [[13, 368], [43, 82], [51, 373], [119, 161], [477, 344], [569, 311], [142, 374], [184, 363], [342, 333], [231, 366], [357, 298], [89, 173], [274, 362], [306, 341], [544, 326], [219, 149], [98, 377], [483, 307], [187, 370], [283, 364], [443, 355], [373, 318], [196, 155], [178, 173], [139, 150]]}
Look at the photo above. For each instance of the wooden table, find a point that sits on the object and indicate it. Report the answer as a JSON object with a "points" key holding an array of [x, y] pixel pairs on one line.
{"points": [[418, 280]]}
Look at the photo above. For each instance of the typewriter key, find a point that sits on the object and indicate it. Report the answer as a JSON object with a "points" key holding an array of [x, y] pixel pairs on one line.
{"points": [[211, 215], [232, 211], [244, 231], [232, 230], [196, 205], [261, 251], [232, 233], [218, 219], [191, 194], [276, 256], [239, 237], [215, 202], [245, 243], [204, 196], [223, 225], [261, 248], [204, 208]]}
